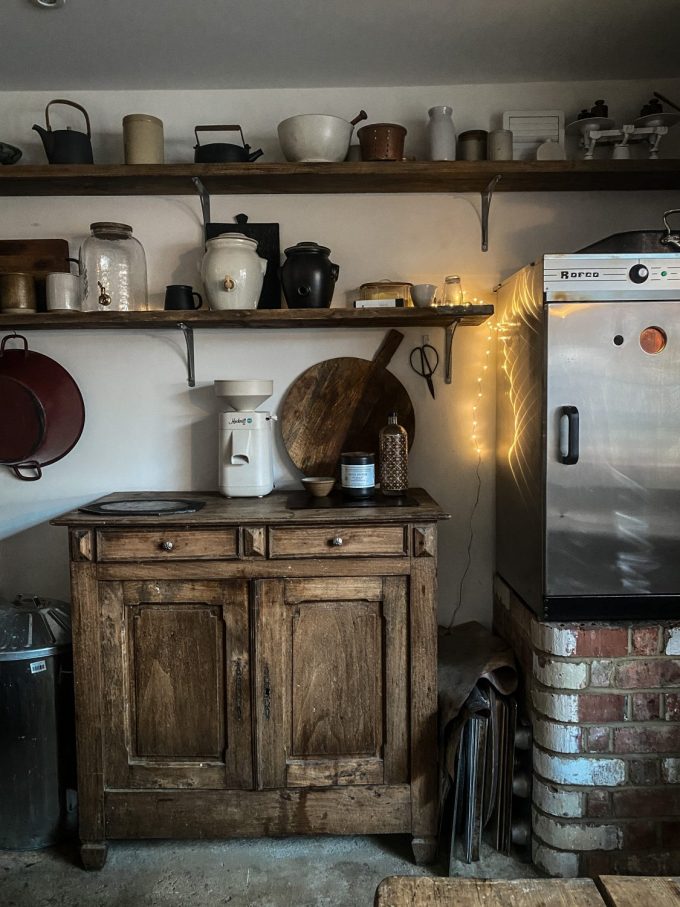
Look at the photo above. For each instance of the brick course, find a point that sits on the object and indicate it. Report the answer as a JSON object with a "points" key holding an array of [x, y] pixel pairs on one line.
{"points": [[604, 700]]}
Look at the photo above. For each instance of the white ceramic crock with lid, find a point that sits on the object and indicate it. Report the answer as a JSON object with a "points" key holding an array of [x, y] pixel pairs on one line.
{"points": [[232, 272]]}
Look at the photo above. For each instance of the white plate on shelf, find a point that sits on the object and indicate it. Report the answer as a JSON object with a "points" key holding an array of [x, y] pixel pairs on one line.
{"points": [[588, 123], [657, 119]]}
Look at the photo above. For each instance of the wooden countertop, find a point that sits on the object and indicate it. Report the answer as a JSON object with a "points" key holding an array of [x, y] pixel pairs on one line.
{"points": [[272, 508]]}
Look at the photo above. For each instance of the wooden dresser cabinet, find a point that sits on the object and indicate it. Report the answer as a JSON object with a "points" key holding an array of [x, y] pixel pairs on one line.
{"points": [[253, 670]]}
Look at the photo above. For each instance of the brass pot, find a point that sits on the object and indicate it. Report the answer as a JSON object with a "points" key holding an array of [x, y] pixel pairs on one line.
{"points": [[17, 293]]}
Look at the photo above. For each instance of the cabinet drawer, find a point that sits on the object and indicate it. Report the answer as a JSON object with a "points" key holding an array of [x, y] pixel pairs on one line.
{"points": [[338, 541], [167, 544]]}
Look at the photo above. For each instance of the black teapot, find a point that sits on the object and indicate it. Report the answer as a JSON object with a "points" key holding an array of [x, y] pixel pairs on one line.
{"points": [[66, 146], [223, 152], [308, 276]]}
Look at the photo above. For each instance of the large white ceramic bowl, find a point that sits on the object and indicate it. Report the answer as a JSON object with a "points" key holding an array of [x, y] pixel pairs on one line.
{"points": [[314, 137]]}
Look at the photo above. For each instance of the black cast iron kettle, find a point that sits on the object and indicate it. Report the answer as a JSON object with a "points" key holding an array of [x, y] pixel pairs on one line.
{"points": [[223, 152], [66, 146]]}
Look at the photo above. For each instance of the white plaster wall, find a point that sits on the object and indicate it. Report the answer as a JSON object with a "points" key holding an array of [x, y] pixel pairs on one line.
{"points": [[145, 429]]}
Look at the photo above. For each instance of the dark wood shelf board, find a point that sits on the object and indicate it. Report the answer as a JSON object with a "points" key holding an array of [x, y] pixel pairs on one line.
{"points": [[348, 177], [259, 318]]}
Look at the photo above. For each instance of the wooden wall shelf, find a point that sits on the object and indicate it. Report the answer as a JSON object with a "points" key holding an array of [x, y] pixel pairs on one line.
{"points": [[348, 177], [257, 318]]}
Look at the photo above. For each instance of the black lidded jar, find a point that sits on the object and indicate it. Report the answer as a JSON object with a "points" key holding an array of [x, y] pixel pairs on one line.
{"points": [[357, 474], [308, 276]]}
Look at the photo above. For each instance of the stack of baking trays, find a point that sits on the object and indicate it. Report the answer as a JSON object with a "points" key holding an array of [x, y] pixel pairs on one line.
{"points": [[485, 789]]}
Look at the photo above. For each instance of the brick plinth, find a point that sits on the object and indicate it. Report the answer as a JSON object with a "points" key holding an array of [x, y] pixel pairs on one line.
{"points": [[604, 702]]}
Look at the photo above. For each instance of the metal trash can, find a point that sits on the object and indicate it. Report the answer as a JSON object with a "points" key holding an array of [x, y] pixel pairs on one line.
{"points": [[37, 737]]}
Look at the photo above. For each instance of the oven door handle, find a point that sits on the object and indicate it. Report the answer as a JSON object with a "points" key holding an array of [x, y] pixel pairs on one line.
{"points": [[569, 435]]}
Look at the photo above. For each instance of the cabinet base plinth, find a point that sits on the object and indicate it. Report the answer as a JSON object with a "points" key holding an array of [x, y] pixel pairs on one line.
{"points": [[365, 810]]}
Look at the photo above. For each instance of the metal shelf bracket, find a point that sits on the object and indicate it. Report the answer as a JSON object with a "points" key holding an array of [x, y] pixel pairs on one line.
{"points": [[449, 331], [188, 332], [486, 205], [204, 195]]}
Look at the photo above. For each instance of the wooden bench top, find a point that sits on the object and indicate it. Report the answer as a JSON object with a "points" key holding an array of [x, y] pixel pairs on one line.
{"points": [[409, 891], [640, 891]]}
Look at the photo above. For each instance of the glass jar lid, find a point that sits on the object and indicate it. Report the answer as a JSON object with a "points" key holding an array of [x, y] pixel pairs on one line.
{"points": [[111, 229], [385, 289]]}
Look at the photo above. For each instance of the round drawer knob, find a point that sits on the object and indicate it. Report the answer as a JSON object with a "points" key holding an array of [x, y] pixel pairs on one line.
{"points": [[167, 545], [337, 542]]}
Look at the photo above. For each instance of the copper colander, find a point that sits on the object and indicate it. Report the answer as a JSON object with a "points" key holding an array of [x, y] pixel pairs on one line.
{"points": [[382, 142]]}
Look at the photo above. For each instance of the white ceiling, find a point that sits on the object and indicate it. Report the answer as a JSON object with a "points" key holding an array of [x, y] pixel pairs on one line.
{"points": [[155, 44]]}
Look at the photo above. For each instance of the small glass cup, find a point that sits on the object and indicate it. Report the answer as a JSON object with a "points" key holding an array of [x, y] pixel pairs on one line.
{"points": [[452, 291]]}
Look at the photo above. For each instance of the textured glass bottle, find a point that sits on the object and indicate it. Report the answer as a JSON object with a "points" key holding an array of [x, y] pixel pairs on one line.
{"points": [[441, 134], [112, 270], [393, 457]]}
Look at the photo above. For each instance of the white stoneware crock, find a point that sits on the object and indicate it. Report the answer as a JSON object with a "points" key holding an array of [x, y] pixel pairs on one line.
{"points": [[232, 272]]}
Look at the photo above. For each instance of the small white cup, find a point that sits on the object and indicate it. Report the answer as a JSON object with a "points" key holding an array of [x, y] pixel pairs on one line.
{"points": [[422, 294], [62, 292]]}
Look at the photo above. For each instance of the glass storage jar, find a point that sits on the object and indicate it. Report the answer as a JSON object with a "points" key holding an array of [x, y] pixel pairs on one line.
{"points": [[112, 270], [451, 293]]}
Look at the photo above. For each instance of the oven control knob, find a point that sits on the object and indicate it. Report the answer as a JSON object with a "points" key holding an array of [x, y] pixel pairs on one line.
{"points": [[639, 273]]}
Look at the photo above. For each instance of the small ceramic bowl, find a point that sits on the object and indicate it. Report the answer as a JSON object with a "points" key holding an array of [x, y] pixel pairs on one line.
{"points": [[319, 486], [423, 294]]}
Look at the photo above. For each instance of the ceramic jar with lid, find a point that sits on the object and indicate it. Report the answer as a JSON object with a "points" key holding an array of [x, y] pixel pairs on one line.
{"points": [[308, 276], [232, 272], [472, 145], [112, 270]]}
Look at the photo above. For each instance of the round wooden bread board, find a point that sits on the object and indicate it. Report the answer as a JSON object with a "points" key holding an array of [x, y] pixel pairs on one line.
{"points": [[340, 405]]}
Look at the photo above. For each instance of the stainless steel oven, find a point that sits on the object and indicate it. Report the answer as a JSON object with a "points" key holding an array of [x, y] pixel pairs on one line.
{"points": [[588, 435]]}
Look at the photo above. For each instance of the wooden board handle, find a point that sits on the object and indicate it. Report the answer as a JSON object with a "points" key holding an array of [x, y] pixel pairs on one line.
{"points": [[387, 349]]}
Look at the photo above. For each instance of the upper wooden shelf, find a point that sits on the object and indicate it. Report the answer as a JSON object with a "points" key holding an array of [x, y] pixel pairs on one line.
{"points": [[348, 177], [258, 318]]}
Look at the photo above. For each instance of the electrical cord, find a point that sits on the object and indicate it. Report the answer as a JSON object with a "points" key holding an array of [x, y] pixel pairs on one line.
{"points": [[470, 540]]}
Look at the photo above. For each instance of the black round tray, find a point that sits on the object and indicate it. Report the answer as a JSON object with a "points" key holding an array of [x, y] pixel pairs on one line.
{"points": [[144, 507]]}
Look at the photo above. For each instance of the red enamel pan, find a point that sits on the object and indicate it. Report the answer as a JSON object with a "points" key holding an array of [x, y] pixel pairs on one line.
{"points": [[42, 413]]}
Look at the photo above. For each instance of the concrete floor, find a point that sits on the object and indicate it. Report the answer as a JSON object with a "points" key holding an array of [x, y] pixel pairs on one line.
{"points": [[288, 872]]}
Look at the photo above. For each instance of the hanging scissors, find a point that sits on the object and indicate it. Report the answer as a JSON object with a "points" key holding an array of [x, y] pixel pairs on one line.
{"points": [[426, 362]]}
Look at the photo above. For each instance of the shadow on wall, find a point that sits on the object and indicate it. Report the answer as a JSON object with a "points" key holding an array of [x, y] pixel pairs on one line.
{"points": [[35, 562], [204, 438]]}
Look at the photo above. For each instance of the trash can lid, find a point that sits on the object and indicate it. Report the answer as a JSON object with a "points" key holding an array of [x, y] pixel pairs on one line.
{"points": [[32, 626]]}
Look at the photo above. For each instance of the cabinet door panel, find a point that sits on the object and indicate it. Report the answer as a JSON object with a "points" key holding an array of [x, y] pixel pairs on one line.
{"points": [[177, 707], [177, 680], [331, 679], [336, 691]]}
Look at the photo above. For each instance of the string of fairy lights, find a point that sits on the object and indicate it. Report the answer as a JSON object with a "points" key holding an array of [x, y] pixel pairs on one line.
{"points": [[479, 390], [477, 446]]}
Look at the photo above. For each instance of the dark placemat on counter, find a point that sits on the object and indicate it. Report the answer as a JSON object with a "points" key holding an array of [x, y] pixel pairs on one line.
{"points": [[302, 500], [152, 506]]}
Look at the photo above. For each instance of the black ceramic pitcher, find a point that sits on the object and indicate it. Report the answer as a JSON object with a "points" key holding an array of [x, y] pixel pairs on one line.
{"points": [[308, 276]]}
